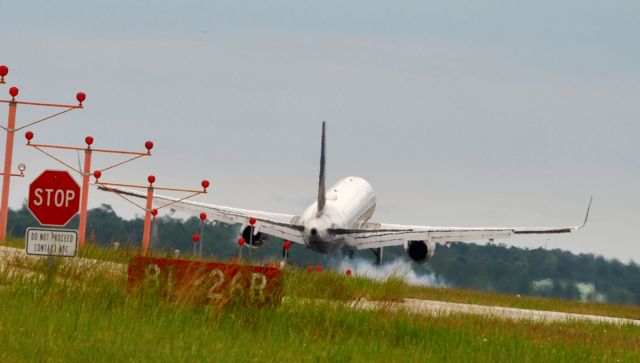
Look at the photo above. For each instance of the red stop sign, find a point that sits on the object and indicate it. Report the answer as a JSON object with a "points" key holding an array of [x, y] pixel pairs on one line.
{"points": [[54, 198]]}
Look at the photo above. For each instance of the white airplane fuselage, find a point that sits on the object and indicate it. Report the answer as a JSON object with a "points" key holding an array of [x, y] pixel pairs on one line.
{"points": [[349, 203]]}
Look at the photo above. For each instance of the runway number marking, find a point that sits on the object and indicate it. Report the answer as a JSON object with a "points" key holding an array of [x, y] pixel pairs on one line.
{"points": [[209, 282]]}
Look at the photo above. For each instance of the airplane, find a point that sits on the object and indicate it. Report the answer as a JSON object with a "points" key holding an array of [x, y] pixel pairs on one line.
{"points": [[339, 220]]}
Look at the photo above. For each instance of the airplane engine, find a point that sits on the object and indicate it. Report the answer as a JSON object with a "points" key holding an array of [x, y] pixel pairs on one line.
{"points": [[420, 251], [255, 241]]}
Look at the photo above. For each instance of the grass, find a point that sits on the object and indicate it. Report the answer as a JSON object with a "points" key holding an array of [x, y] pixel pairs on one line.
{"points": [[332, 285], [86, 315], [94, 319]]}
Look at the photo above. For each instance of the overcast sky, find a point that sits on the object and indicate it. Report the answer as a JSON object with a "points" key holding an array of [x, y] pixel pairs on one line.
{"points": [[459, 113]]}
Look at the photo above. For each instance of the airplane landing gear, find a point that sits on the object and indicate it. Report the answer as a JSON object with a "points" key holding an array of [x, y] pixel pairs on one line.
{"points": [[348, 253], [378, 253]]}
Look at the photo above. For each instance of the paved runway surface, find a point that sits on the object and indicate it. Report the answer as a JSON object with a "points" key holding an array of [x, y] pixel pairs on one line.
{"points": [[441, 307], [10, 257]]}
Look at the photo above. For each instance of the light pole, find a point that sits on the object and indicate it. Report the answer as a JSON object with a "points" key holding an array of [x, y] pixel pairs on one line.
{"points": [[203, 218], [11, 129], [195, 238], [240, 244], [86, 171], [148, 211]]}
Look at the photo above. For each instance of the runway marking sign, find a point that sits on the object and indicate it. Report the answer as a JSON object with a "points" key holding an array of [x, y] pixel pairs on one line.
{"points": [[51, 242], [207, 282]]}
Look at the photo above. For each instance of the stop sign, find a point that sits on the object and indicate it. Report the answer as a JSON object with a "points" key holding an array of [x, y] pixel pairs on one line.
{"points": [[54, 198]]}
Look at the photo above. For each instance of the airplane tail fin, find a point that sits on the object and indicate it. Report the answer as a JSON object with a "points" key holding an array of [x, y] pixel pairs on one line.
{"points": [[321, 187]]}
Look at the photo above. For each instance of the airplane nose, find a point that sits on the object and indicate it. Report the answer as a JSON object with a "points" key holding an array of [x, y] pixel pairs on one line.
{"points": [[314, 231]]}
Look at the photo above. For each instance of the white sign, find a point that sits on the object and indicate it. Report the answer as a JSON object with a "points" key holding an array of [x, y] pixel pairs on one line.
{"points": [[51, 242]]}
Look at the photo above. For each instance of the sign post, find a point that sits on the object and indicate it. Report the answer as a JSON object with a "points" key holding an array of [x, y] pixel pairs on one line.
{"points": [[54, 198]]}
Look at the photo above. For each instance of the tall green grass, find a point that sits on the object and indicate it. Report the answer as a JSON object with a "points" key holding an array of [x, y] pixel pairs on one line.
{"points": [[69, 324], [81, 316], [333, 285]]}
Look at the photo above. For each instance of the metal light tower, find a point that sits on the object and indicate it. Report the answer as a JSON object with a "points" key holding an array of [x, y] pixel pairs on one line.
{"points": [[203, 220], [86, 172], [11, 130], [148, 210]]}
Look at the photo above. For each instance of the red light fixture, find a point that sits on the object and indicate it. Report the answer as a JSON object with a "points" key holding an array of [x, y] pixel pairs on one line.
{"points": [[203, 216], [286, 245], [97, 174], [309, 268], [88, 140], [205, 184], [252, 221], [81, 96], [151, 179], [148, 145], [28, 135], [154, 212], [348, 272], [195, 238], [240, 241], [319, 268], [4, 70], [13, 91]]}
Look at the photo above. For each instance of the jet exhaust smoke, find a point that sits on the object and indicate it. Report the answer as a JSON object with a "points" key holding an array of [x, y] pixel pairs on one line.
{"points": [[396, 268]]}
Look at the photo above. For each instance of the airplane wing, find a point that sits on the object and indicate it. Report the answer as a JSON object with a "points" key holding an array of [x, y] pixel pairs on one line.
{"points": [[375, 235], [279, 225]]}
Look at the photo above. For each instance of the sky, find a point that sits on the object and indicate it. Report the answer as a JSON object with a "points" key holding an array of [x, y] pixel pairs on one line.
{"points": [[459, 113]]}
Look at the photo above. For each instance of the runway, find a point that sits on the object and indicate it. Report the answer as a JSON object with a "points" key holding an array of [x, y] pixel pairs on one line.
{"points": [[11, 263], [433, 307]]}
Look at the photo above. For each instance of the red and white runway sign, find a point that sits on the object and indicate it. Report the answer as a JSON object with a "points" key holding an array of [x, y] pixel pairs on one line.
{"points": [[207, 282]]}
